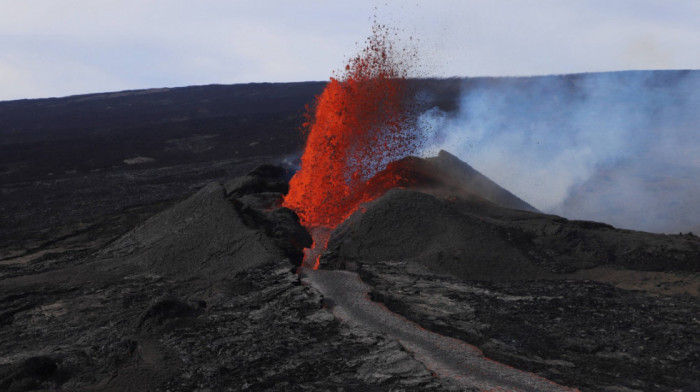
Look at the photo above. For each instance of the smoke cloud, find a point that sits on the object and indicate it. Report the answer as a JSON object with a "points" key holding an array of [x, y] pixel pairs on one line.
{"points": [[620, 147]]}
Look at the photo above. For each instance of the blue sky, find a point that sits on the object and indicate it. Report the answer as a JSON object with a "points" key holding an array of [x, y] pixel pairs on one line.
{"points": [[64, 47]]}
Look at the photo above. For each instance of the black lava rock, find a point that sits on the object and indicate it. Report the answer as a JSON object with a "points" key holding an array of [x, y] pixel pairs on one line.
{"points": [[170, 307], [28, 374]]}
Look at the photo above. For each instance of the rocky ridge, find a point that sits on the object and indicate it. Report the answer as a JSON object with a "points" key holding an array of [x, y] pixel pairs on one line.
{"points": [[202, 296]]}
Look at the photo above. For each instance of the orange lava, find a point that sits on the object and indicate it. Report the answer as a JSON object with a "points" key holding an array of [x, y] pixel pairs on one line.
{"points": [[312, 256], [362, 121]]}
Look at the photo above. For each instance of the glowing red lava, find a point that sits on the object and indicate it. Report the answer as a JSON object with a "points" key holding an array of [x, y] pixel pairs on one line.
{"points": [[362, 121]]}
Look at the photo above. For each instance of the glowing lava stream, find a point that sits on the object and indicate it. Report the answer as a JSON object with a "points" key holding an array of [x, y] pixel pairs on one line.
{"points": [[312, 256], [446, 357]]}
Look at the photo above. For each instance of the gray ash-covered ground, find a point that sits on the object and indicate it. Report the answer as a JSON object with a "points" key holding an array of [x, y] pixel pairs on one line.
{"points": [[203, 296], [580, 333], [179, 273], [507, 281], [260, 330]]}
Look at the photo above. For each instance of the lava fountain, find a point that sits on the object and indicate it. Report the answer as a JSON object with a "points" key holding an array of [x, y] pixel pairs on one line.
{"points": [[365, 119]]}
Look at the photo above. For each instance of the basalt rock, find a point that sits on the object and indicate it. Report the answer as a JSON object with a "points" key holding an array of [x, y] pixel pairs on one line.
{"points": [[579, 333], [170, 307], [473, 238], [199, 297], [215, 231], [281, 225], [417, 227], [202, 296], [503, 280], [262, 179], [29, 374], [204, 235], [257, 197]]}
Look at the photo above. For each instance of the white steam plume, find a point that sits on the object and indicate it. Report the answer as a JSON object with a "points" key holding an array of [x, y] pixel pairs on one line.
{"points": [[621, 147]]}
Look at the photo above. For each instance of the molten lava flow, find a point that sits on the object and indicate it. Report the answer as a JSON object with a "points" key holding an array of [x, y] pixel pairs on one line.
{"points": [[361, 122], [312, 256]]}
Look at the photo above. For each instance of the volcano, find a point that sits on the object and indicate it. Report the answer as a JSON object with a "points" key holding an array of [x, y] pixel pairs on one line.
{"points": [[186, 276]]}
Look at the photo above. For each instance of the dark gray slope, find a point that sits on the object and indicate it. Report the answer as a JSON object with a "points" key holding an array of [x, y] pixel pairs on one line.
{"points": [[474, 239], [261, 330], [469, 178], [202, 235], [200, 297], [446, 357], [414, 226], [578, 333], [465, 267], [203, 296], [221, 229]]}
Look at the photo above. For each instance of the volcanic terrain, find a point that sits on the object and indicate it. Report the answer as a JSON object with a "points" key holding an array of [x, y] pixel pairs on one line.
{"points": [[145, 247]]}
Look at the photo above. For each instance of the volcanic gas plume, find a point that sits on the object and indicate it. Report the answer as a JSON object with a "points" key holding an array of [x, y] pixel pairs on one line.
{"points": [[364, 119]]}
